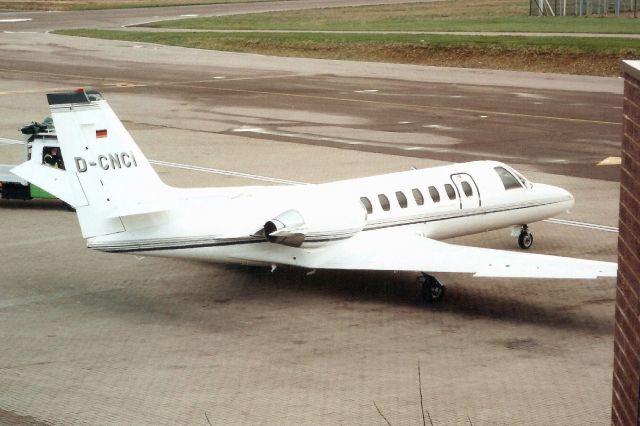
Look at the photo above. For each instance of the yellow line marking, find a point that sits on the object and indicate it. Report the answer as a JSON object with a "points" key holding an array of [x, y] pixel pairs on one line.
{"points": [[611, 161]]}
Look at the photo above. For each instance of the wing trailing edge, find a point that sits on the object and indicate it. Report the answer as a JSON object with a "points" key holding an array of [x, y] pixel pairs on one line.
{"points": [[391, 250]]}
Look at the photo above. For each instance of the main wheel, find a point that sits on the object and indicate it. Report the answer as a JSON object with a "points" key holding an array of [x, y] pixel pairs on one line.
{"points": [[431, 289], [525, 240]]}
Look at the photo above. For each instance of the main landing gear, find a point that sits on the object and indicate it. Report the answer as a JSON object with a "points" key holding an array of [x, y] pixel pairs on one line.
{"points": [[430, 289], [525, 239]]}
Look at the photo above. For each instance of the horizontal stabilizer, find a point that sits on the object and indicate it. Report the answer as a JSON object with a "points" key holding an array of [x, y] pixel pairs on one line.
{"points": [[52, 180]]}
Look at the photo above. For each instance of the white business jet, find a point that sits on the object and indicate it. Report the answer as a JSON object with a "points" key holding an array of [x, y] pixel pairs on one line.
{"points": [[389, 222]]}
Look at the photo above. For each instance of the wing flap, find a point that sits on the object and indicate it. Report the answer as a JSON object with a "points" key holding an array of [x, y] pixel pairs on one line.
{"points": [[402, 251]]}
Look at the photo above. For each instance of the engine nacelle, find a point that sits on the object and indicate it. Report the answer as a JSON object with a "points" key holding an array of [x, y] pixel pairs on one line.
{"points": [[287, 228], [314, 225]]}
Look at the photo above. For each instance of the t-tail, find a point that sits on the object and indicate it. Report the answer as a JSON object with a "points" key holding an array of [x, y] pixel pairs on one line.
{"points": [[105, 170]]}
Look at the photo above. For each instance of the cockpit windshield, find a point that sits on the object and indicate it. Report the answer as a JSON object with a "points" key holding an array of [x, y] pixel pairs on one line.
{"points": [[508, 179], [522, 179]]}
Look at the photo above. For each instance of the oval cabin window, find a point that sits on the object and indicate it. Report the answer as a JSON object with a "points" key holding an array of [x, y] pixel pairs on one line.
{"points": [[384, 202]]}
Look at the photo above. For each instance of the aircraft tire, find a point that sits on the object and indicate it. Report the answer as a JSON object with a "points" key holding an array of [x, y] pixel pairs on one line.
{"points": [[431, 290], [525, 240]]}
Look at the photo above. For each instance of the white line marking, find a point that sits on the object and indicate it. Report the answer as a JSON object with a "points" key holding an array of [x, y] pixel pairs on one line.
{"points": [[226, 172], [189, 15], [438, 127], [367, 91], [9, 20], [530, 95], [4, 141], [337, 140], [594, 226], [249, 129]]}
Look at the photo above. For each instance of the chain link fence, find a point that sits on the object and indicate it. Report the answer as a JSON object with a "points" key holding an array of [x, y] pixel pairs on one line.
{"points": [[583, 7]]}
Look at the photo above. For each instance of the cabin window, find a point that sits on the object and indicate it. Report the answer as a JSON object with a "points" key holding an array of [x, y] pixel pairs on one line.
{"points": [[451, 193], [508, 180], [367, 204], [435, 195], [384, 202], [402, 200], [417, 195], [468, 191]]}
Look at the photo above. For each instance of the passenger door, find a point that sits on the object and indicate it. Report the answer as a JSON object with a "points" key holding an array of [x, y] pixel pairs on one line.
{"points": [[467, 190]]}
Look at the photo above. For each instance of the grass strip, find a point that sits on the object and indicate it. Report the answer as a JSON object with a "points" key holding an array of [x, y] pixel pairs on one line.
{"points": [[453, 15], [588, 55]]}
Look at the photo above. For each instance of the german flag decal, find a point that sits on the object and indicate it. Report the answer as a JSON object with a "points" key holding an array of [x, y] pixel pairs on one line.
{"points": [[101, 133]]}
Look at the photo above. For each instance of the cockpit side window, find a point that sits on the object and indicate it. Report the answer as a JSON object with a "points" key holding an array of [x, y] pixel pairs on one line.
{"points": [[508, 180]]}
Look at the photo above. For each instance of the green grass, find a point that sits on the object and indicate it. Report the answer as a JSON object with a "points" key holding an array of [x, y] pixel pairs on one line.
{"points": [[583, 55], [248, 41], [453, 15]]}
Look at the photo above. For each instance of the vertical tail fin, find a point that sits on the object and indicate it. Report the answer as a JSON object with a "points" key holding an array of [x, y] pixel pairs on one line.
{"points": [[105, 168]]}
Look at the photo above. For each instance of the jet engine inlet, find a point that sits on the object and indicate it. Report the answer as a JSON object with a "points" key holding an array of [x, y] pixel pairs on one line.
{"points": [[287, 228]]}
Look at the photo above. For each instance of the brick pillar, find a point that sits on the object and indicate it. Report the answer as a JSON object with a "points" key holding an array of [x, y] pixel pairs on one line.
{"points": [[626, 358]]}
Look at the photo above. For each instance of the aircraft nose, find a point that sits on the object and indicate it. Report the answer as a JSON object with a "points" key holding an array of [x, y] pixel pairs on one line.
{"points": [[570, 198], [563, 196], [557, 195]]}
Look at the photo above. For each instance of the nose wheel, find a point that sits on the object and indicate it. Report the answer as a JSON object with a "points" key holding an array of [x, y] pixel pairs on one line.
{"points": [[525, 239], [430, 289]]}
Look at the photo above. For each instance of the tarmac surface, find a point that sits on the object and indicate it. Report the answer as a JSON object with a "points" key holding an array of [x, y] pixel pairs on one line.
{"points": [[94, 338], [109, 18]]}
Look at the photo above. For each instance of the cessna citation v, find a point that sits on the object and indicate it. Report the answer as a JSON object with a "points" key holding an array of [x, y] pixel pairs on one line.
{"points": [[389, 222]]}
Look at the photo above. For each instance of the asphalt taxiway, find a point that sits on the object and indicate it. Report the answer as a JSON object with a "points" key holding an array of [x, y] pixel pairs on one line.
{"points": [[93, 338]]}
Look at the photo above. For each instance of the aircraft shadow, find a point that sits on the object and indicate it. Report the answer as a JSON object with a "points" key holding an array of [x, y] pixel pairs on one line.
{"points": [[401, 289], [198, 302], [34, 205]]}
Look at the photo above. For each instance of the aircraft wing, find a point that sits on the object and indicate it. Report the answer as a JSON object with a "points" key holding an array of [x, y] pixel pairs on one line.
{"points": [[404, 251]]}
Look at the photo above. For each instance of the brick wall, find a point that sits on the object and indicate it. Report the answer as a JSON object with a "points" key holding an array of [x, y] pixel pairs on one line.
{"points": [[626, 368]]}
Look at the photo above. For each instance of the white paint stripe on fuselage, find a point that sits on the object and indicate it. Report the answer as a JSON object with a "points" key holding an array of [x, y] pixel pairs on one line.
{"points": [[586, 225]]}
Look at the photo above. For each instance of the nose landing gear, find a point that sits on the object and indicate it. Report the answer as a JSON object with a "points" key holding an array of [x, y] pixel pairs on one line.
{"points": [[525, 239], [430, 289]]}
